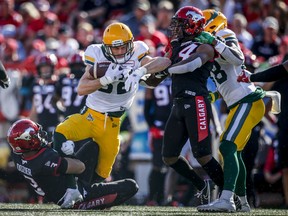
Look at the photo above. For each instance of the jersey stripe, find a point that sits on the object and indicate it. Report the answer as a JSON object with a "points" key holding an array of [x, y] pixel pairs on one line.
{"points": [[237, 121]]}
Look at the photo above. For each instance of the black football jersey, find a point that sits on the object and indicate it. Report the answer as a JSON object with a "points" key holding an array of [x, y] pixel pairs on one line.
{"points": [[66, 89], [162, 103], [41, 173], [47, 113], [191, 83]]}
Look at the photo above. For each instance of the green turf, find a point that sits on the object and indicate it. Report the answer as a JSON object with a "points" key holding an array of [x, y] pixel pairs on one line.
{"points": [[47, 209]]}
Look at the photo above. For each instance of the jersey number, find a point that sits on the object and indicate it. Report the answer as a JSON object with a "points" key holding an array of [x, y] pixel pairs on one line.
{"points": [[34, 184], [187, 51], [67, 93], [219, 75], [119, 88]]}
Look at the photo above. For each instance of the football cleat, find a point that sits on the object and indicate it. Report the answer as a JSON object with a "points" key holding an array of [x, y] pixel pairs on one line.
{"points": [[71, 197]]}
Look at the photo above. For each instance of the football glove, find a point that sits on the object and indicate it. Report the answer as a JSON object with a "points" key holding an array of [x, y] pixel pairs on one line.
{"points": [[134, 77], [113, 73], [5, 83], [213, 96], [205, 38], [244, 76], [68, 147]]}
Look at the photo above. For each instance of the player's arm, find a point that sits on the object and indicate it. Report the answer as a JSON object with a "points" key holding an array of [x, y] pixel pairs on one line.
{"points": [[4, 79], [228, 49], [74, 166], [149, 66], [269, 75], [272, 74], [88, 84], [203, 54]]}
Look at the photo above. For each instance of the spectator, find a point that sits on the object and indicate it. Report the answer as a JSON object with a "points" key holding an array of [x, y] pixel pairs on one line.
{"points": [[85, 35], [148, 31], [266, 46], [8, 15], [164, 13], [239, 26], [133, 19], [67, 44]]}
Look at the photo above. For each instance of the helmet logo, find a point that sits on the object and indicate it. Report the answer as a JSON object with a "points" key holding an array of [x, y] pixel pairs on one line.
{"points": [[194, 16], [26, 135], [117, 42]]}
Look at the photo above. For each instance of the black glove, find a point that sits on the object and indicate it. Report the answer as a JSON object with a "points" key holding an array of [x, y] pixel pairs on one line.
{"points": [[5, 83]]}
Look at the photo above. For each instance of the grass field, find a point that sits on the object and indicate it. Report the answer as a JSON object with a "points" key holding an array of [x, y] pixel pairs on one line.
{"points": [[47, 210]]}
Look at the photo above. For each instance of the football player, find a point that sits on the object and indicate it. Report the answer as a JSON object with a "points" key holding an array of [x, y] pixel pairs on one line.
{"points": [[191, 111], [157, 106], [108, 97], [44, 110], [244, 102], [66, 86], [4, 79], [47, 171]]}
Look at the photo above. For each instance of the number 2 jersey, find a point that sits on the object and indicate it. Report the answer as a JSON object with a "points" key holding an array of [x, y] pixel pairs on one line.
{"points": [[189, 84], [44, 173], [113, 97]]}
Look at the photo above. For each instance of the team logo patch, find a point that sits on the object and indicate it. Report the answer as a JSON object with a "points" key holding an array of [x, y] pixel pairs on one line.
{"points": [[26, 135], [187, 106], [89, 117]]}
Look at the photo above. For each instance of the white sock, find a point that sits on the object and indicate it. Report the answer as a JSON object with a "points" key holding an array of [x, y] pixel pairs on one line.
{"points": [[226, 194], [243, 199]]}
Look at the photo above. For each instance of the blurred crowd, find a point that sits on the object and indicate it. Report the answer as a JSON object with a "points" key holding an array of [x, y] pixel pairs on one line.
{"points": [[64, 27]]}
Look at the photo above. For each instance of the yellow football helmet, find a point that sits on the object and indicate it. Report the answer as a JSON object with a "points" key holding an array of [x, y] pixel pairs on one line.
{"points": [[118, 34], [215, 20]]}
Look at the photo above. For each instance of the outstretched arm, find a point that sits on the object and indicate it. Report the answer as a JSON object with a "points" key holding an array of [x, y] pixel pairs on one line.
{"points": [[228, 49], [203, 54], [269, 75], [4, 79]]}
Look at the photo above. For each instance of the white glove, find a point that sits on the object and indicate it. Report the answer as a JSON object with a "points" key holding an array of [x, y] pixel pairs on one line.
{"points": [[5, 84], [113, 73], [68, 147], [134, 77]]}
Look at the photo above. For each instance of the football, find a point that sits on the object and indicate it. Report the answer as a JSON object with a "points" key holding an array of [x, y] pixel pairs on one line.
{"points": [[99, 69]]}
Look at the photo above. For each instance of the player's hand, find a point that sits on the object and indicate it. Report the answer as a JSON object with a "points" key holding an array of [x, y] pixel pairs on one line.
{"points": [[205, 38], [68, 147], [244, 76], [134, 77], [213, 96], [113, 73], [5, 83]]}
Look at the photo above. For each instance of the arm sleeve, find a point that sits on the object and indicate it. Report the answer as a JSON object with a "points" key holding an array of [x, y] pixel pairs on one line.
{"points": [[3, 74], [272, 74], [230, 52]]}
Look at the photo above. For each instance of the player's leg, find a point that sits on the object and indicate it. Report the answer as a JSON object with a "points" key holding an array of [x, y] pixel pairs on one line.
{"points": [[88, 154], [105, 195], [175, 137]]}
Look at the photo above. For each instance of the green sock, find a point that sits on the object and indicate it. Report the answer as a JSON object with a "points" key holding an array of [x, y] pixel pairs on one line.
{"points": [[228, 150], [241, 180]]}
